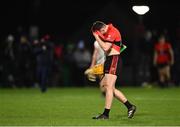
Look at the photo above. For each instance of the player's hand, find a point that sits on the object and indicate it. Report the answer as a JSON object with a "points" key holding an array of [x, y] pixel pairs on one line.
{"points": [[95, 34]]}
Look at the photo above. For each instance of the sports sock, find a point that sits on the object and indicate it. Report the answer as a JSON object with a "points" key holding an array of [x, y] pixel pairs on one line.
{"points": [[128, 104], [161, 84], [106, 112]]}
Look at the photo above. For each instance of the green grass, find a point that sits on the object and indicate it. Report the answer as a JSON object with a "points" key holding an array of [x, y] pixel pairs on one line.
{"points": [[76, 106]]}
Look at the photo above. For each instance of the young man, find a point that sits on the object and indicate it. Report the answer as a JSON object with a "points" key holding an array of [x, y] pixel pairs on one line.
{"points": [[109, 38], [163, 59]]}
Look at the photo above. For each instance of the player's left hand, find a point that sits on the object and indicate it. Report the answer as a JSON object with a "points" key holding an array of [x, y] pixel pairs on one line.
{"points": [[95, 34]]}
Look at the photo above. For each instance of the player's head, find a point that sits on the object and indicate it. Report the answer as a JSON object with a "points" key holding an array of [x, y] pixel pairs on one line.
{"points": [[162, 39], [99, 26]]}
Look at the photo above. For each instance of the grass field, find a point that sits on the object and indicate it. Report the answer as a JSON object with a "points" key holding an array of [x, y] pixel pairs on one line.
{"points": [[76, 106]]}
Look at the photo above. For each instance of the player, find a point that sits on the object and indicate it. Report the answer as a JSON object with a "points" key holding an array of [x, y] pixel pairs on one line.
{"points": [[95, 71], [163, 59], [109, 39]]}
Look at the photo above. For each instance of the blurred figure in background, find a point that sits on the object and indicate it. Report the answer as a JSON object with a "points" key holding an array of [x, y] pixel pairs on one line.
{"points": [[69, 66], [163, 60], [24, 58], [9, 60], [57, 65], [82, 57], [44, 58]]}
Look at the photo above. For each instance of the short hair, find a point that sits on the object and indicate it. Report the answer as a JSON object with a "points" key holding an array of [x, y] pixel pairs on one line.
{"points": [[97, 25]]}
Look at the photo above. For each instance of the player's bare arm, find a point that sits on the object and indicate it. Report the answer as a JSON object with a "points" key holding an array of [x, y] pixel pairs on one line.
{"points": [[94, 57], [104, 45]]}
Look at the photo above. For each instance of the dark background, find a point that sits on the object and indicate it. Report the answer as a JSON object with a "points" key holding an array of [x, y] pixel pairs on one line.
{"points": [[70, 21], [65, 17]]}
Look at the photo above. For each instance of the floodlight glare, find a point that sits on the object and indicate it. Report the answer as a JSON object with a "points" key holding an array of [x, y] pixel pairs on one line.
{"points": [[140, 10]]}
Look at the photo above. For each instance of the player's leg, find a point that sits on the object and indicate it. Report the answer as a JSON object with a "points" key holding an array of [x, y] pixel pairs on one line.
{"points": [[167, 75], [161, 77], [109, 88], [102, 88], [107, 84], [121, 97], [44, 79]]}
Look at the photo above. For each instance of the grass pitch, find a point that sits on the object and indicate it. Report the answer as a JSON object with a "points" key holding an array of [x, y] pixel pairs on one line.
{"points": [[76, 106]]}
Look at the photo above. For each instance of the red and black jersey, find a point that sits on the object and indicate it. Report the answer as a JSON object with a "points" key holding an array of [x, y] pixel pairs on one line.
{"points": [[163, 54], [113, 36]]}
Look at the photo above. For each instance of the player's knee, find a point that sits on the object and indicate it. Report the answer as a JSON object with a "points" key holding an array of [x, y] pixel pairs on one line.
{"points": [[108, 88]]}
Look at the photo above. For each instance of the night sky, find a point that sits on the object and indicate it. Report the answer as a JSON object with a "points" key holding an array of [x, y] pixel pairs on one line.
{"points": [[65, 17]]}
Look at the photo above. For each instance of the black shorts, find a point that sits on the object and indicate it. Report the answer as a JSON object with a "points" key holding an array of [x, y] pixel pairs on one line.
{"points": [[112, 65], [160, 66]]}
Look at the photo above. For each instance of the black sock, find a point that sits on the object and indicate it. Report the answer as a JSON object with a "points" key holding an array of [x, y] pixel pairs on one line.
{"points": [[168, 83], [106, 112], [128, 105], [161, 84]]}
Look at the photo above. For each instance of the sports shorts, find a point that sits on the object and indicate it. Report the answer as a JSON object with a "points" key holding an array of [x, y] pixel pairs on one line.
{"points": [[112, 65]]}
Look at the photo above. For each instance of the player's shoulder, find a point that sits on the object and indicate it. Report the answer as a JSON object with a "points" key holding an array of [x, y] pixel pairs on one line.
{"points": [[157, 45], [114, 30], [112, 27], [168, 45]]}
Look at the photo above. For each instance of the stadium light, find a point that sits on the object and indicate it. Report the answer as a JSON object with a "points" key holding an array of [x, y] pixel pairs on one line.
{"points": [[140, 10]]}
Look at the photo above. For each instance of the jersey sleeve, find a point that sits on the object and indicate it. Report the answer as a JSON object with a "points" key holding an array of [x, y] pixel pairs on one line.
{"points": [[114, 35], [156, 47], [169, 46], [111, 37]]}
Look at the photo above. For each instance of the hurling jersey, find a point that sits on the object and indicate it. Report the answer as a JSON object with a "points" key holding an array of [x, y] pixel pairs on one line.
{"points": [[112, 36], [162, 50]]}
